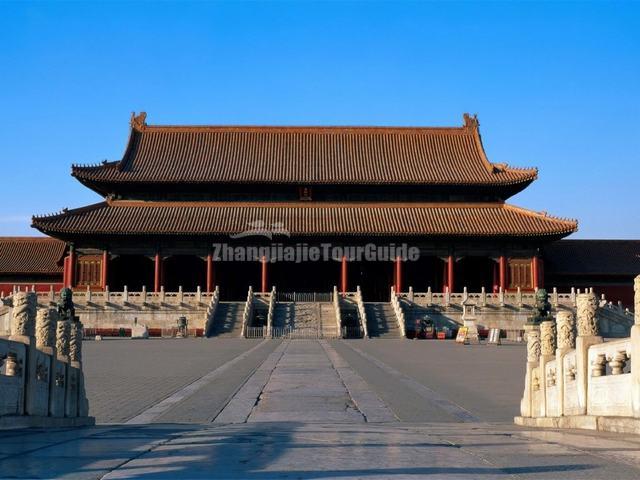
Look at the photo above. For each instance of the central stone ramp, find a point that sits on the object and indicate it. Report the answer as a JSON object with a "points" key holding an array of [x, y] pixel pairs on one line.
{"points": [[381, 320], [227, 322], [305, 387], [306, 319]]}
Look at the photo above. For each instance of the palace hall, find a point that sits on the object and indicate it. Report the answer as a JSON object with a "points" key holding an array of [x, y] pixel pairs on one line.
{"points": [[180, 190]]}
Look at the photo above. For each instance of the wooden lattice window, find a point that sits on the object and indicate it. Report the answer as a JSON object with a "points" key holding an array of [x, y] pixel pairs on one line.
{"points": [[520, 273], [89, 271]]}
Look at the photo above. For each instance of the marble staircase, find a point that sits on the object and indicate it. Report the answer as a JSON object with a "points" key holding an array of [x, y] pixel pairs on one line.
{"points": [[227, 322], [381, 320]]}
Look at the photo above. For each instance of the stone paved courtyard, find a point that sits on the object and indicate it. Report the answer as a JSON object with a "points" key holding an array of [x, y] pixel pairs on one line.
{"points": [[309, 409]]}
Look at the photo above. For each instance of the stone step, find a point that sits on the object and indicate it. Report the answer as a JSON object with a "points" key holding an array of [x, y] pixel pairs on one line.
{"points": [[227, 321], [381, 320]]}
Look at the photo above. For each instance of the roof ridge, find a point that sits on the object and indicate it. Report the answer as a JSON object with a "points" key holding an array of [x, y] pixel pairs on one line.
{"points": [[93, 166], [297, 204], [545, 214], [66, 211], [138, 123], [27, 238]]}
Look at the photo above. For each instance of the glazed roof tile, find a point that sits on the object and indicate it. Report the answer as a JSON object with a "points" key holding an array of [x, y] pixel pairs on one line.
{"points": [[119, 217], [305, 155], [23, 255]]}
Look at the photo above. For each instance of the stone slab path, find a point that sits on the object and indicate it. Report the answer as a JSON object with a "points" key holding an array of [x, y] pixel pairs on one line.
{"points": [[271, 450], [312, 409], [305, 381]]}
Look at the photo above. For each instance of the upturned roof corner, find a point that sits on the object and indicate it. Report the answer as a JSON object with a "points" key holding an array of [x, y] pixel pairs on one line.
{"points": [[139, 121]]}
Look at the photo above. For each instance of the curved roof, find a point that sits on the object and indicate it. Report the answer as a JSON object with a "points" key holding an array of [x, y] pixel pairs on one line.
{"points": [[304, 156], [29, 255], [120, 217]]}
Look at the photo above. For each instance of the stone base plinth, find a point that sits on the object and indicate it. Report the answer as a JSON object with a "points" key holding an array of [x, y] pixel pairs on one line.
{"points": [[34, 421], [472, 331], [586, 422]]}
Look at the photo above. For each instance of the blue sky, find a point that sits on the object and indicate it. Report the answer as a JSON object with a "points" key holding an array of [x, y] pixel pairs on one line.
{"points": [[555, 86]]}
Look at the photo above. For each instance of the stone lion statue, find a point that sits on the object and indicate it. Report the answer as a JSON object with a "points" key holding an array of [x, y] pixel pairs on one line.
{"points": [[66, 310], [542, 307]]}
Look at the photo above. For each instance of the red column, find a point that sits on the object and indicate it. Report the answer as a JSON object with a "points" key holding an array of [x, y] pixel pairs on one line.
{"points": [[105, 269], [157, 277], [503, 272], [534, 271], [398, 274], [540, 272], [65, 272], [264, 274], [445, 280], [450, 273], [71, 267], [343, 276], [210, 285]]}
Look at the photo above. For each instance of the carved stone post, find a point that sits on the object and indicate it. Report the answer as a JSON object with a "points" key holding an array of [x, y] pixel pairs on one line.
{"points": [[46, 333], [534, 348], [23, 322], [63, 331], [566, 341], [547, 354], [75, 343], [78, 406], [635, 350], [46, 320], [547, 338], [588, 334], [566, 331], [533, 360], [23, 316]]}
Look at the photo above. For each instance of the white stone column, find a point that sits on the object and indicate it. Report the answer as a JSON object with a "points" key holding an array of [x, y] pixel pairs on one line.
{"points": [[532, 332], [566, 341], [635, 351], [62, 339], [46, 325], [46, 320], [45, 333], [547, 354], [75, 343], [76, 401], [23, 316], [588, 334], [23, 322]]}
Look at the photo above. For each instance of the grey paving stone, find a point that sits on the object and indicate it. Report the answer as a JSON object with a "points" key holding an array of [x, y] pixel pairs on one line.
{"points": [[124, 377], [484, 380], [368, 403]]}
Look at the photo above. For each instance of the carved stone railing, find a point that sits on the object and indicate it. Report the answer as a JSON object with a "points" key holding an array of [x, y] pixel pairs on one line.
{"points": [[41, 379], [336, 308], [517, 299], [361, 312], [582, 382], [399, 313], [247, 313], [88, 299], [211, 312], [272, 306]]}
